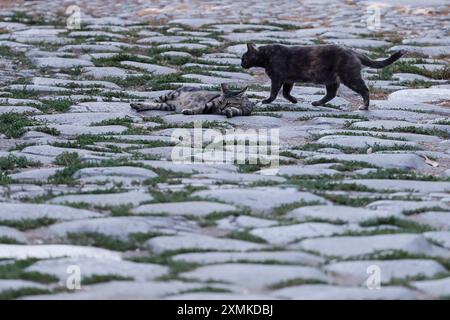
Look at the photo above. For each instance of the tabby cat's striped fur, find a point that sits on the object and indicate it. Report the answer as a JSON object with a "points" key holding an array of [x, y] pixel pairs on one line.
{"points": [[188, 100]]}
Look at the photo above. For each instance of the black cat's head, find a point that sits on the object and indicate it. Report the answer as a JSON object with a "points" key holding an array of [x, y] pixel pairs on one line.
{"points": [[251, 57]]}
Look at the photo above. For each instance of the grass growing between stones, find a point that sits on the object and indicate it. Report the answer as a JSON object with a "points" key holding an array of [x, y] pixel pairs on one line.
{"points": [[17, 293], [55, 105], [295, 282], [28, 224], [246, 236], [13, 124], [96, 278], [133, 242], [404, 225], [12, 162], [16, 270]]}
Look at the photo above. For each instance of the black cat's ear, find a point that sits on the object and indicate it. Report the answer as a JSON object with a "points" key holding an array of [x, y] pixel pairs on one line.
{"points": [[224, 87], [251, 46]]}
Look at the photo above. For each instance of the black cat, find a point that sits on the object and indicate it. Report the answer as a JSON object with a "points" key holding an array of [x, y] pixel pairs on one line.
{"points": [[323, 64]]}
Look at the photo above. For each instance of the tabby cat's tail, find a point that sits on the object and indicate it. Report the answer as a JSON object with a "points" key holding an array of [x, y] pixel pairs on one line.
{"points": [[365, 60]]}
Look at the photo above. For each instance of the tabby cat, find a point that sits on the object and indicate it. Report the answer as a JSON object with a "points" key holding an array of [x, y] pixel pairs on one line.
{"points": [[322, 64], [189, 100]]}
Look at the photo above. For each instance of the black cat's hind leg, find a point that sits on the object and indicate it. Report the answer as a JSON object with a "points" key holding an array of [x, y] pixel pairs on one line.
{"points": [[274, 89], [331, 93], [287, 88]]}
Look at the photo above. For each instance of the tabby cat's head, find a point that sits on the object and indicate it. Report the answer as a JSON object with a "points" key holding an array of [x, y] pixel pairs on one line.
{"points": [[231, 98]]}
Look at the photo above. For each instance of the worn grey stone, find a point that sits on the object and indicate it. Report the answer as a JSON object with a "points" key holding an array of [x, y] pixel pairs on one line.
{"points": [[25, 211], [199, 242], [262, 199], [194, 208], [253, 276], [105, 200]]}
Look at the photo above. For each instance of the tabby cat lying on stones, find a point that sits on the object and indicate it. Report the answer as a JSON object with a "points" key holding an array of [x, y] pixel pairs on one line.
{"points": [[323, 64], [188, 100]]}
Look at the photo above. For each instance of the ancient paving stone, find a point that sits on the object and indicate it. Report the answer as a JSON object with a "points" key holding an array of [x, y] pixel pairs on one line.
{"points": [[243, 222], [51, 251], [219, 296], [13, 284], [241, 178], [355, 272], [199, 242], [122, 227], [435, 288], [364, 142], [435, 219], [35, 175], [105, 200], [24, 211], [131, 172], [283, 235], [382, 160], [355, 246], [12, 234], [405, 206], [338, 213], [293, 170], [417, 186], [107, 72], [440, 237], [293, 257], [262, 199], [194, 208], [63, 63], [253, 275], [329, 292], [126, 290], [152, 68], [95, 266]]}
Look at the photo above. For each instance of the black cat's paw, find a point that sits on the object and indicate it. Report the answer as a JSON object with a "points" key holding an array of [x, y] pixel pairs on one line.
{"points": [[291, 99], [364, 108], [317, 103], [187, 112], [266, 101]]}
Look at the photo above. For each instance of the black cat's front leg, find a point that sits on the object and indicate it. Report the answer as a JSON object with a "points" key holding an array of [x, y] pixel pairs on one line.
{"points": [[275, 88]]}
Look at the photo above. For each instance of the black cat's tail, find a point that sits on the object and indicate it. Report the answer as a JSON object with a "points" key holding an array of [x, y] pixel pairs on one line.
{"points": [[365, 60]]}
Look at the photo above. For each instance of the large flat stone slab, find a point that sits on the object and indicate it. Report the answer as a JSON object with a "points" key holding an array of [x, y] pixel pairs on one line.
{"points": [[254, 276], [338, 214], [401, 185], [94, 266], [293, 257], [25, 211], [329, 292], [283, 235], [383, 160], [261, 199], [123, 290], [435, 288], [194, 208], [51, 251], [106, 200], [121, 227], [199, 242], [355, 272], [364, 245]]}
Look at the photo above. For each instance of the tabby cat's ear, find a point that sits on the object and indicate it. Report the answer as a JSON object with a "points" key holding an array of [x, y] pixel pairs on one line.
{"points": [[251, 46], [243, 90], [223, 87]]}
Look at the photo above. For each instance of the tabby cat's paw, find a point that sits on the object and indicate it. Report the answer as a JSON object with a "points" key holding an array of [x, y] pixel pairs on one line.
{"points": [[187, 112], [136, 106], [229, 113]]}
